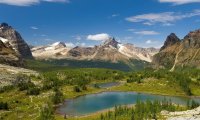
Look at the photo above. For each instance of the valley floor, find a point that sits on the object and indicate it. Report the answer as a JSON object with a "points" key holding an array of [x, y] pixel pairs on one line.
{"points": [[28, 107]]}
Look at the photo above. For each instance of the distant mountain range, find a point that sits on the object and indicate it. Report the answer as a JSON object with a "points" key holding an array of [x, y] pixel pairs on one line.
{"points": [[175, 52], [110, 50]]}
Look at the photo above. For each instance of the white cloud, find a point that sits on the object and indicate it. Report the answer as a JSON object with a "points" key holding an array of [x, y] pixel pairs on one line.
{"points": [[148, 42], [115, 15], [147, 23], [98, 37], [151, 42], [34, 28], [56, 1], [165, 18], [179, 2], [28, 2], [147, 32], [20, 2]]}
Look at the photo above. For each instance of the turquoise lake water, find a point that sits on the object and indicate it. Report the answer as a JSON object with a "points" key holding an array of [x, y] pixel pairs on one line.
{"points": [[92, 103]]}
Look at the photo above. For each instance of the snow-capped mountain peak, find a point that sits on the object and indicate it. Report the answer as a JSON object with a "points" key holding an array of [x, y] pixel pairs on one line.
{"points": [[55, 51]]}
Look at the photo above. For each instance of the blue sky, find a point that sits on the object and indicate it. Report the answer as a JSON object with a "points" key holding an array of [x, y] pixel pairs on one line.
{"points": [[145, 23]]}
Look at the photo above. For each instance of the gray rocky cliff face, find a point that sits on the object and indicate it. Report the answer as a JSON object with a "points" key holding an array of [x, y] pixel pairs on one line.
{"points": [[15, 40]]}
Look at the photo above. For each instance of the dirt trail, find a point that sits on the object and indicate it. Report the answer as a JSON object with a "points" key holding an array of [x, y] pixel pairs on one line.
{"points": [[176, 60]]}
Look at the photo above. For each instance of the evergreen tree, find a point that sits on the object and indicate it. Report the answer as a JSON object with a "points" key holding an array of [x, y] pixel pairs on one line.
{"points": [[58, 96], [47, 112]]}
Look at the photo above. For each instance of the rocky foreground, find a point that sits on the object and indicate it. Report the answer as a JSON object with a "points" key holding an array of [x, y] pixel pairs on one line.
{"points": [[8, 74], [183, 115]]}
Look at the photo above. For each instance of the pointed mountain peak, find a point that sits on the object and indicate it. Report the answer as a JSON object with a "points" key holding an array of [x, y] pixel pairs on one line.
{"points": [[59, 44], [171, 40], [10, 35], [4, 25], [111, 42], [173, 34]]}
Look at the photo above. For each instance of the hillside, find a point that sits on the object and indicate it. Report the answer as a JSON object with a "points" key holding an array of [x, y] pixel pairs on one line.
{"points": [[8, 55], [179, 53]]}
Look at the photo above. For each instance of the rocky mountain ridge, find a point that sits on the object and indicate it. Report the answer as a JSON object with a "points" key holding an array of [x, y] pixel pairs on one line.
{"points": [[55, 51], [110, 50], [8, 55], [10, 35], [176, 52]]}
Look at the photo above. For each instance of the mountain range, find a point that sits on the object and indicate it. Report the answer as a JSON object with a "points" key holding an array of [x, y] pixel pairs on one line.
{"points": [[110, 50], [175, 51]]}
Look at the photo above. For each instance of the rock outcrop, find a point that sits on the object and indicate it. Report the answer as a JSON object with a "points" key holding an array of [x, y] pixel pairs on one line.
{"points": [[82, 52], [56, 50], [8, 55], [183, 115], [9, 74], [15, 40]]}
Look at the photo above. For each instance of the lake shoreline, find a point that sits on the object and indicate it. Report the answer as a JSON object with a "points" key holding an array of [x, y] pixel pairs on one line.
{"points": [[111, 109]]}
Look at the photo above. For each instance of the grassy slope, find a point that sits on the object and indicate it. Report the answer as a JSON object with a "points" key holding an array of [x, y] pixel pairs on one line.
{"points": [[42, 65], [21, 106], [152, 86]]}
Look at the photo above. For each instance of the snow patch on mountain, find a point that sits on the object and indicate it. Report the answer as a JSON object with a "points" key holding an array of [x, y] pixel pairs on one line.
{"points": [[3, 40], [55, 50], [123, 50], [135, 53]]}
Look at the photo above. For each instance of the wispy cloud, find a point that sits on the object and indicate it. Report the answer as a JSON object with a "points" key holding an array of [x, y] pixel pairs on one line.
{"points": [[115, 15], [34, 28], [165, 18], [147, 32], [99, 37], [148, 23], [63, 1], [179, 2], [29, 2]]}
